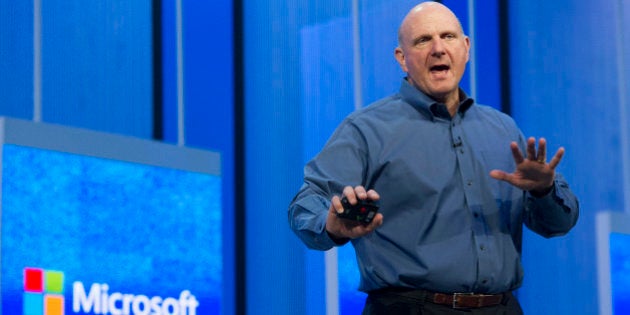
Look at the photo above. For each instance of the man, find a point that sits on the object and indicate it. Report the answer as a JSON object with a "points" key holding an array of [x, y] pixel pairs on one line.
{"points": [[447, 238]]}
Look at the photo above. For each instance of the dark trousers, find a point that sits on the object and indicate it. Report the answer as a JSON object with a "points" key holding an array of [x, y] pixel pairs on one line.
{"points": [[416, 303]]}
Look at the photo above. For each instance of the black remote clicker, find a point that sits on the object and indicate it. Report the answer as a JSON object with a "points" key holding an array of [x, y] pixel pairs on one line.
{"points": [[363, 211]]}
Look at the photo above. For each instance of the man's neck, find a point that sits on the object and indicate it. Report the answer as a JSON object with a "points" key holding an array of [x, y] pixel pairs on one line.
{"points": [[451, 102], [452, 107]]}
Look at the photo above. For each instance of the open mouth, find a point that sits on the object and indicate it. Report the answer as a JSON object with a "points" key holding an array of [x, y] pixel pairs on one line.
{"points": [[440, 68]]}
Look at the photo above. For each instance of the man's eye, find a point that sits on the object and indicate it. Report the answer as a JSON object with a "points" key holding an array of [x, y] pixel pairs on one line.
{"points": [[422, 40]]}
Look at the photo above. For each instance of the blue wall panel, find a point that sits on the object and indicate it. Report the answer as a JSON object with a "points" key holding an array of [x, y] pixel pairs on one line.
{"points": [[485, 47], [16, 59], [565, 87], [169, 70], [97, 65], [275, 259], [209, 104], [380, 73], [277, 278], [328, 97]]}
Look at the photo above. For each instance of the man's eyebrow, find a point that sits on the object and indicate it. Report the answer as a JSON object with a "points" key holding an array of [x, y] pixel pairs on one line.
{"points": [[420, 37]]}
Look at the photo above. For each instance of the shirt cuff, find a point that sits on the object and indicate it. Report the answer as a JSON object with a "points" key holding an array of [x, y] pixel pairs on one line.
{"points": [[551, 190]]}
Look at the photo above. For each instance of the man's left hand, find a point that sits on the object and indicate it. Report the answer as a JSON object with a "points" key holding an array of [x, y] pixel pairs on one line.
{"points": [[532, 173]]}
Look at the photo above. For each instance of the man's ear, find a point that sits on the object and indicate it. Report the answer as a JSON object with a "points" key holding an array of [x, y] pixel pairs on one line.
{"points": [[467, 43], [400, 57]]}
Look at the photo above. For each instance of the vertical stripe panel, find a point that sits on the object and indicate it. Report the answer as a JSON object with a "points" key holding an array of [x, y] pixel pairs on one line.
{"points": [[37, 60], [472, 63], [180, 74], [623, 90]]}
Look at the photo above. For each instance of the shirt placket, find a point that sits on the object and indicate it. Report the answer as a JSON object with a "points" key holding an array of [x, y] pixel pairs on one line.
{"points": [[472, 195]]}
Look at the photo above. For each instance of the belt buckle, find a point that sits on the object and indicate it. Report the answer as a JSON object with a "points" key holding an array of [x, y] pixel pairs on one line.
{"points": [[456, 299]]}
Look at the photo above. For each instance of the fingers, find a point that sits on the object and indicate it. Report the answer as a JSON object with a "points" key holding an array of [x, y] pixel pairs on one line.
{"points": [[348, 191], [541, 157], [533, 154], [501, 175], [497, 174], [373, 195], [516, 153], [359, 192], [336, 205], [376, 222], [355, 193], [531, 149], [556, 158]]}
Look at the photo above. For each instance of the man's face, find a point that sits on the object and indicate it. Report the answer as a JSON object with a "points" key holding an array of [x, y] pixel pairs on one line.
{"points": [[433, 51]]}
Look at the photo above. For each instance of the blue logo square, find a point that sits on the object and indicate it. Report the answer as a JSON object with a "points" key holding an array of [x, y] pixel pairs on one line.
{"points": [[33, 303]]}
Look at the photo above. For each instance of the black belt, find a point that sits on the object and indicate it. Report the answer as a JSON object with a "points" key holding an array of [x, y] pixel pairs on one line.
{"points": [[465, 300], [454, 300]]}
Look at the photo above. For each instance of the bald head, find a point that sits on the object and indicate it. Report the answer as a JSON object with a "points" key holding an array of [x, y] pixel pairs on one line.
{"points": [[424, 11]]}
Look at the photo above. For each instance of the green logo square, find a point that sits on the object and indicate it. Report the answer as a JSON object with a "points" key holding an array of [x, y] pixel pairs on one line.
{"points": [[53, 281]]}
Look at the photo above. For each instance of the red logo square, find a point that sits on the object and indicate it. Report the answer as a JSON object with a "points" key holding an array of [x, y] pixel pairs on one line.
{"points": [[33, 280]]}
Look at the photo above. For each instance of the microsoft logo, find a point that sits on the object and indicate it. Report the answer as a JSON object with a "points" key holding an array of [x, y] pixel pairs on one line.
{"points": [[43, 292], [44, 295]]}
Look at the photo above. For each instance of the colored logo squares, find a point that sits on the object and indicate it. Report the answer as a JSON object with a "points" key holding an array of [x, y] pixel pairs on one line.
{"points": [[43, 292]]}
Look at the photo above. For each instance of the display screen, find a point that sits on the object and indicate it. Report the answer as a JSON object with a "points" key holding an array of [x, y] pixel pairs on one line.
{"points": [[87, 235], [620, 272]]}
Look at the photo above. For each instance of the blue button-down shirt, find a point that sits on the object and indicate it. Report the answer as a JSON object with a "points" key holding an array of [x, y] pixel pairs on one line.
{"points": [[447, 225]]}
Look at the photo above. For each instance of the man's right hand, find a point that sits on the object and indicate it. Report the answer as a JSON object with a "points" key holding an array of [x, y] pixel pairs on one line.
{"points": [[340, 230]]}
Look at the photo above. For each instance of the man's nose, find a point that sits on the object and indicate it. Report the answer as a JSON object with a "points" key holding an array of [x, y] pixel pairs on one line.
{"points": [[438, 48]]}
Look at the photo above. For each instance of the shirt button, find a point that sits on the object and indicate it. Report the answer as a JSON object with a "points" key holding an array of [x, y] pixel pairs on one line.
{"points": [[476, 215], [484, 281], [469, 183], [482, 247]]}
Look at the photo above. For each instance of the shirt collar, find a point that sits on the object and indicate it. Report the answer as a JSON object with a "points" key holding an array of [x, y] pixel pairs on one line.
{"points": [[429, 107]]}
